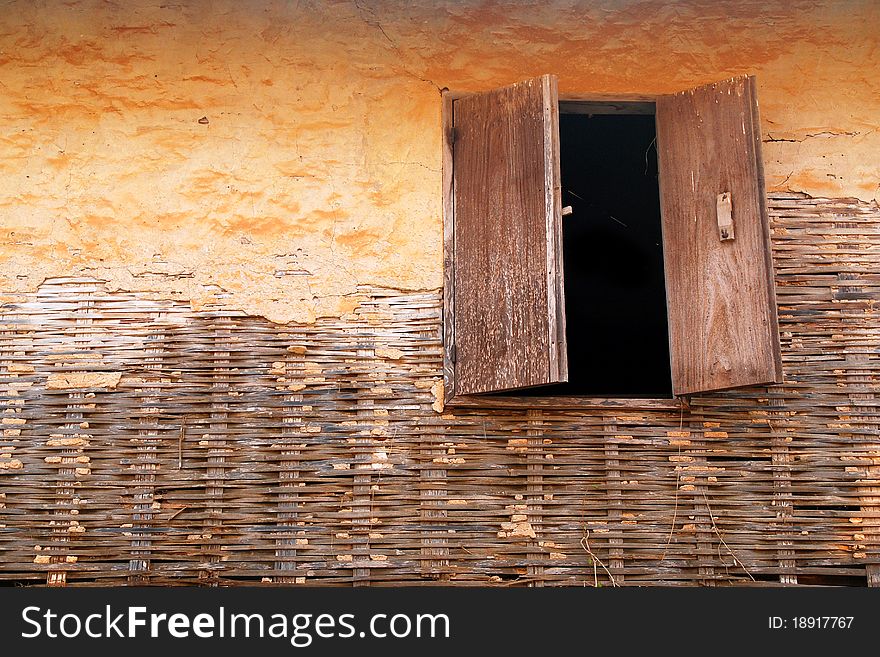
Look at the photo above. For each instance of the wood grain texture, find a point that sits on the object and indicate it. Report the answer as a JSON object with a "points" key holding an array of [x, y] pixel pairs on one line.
{"points": [[775, 344], [606, 107], [553, 217], [447, 126], [509, 328], [722, 312], [489, 402]]}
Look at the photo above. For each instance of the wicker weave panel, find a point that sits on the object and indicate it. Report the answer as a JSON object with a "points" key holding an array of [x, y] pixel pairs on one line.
{"points": [[144, 443]]}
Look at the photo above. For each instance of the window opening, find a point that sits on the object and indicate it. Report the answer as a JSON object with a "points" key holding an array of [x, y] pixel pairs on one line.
{"points": [[615, 294]]}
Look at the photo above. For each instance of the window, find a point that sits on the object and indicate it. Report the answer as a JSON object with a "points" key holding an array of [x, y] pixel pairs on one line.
{"points": [[571, 273]]}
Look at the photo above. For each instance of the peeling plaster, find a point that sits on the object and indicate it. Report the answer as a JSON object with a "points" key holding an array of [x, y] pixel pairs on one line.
{"points": [[65, 380], [271, 157]]}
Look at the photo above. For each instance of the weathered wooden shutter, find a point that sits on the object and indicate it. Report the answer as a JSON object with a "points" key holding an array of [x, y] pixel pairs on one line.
{"points": [[723, 328], [508, 310]]}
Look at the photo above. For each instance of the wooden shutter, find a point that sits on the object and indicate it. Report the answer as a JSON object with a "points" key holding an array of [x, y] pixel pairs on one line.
{"points": [[723, 328], [506, 306]]}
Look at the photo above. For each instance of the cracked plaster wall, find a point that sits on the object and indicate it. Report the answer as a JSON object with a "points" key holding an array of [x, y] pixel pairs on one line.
{"points": [[271, 156]]}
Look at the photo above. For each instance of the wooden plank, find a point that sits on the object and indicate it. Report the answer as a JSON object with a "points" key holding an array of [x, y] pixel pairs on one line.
{"points": [[553, 218], [580, 403], [723, 330], [608, 97], [507, 288], [770, 274], [606, 107], [447, 126], [611, 99]]}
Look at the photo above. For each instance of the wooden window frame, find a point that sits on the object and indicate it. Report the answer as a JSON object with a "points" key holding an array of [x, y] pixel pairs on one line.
{"points": [[573, 103], [608, 103]]}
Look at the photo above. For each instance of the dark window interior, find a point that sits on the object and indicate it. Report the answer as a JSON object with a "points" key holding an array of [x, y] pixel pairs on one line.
{"points": [[615, 294]]}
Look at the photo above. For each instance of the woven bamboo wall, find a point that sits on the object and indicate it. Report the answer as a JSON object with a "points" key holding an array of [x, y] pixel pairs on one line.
{"points": [[145, 443]]}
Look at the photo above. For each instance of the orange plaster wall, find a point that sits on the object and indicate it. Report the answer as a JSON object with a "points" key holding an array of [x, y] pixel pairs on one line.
{"points": [[272, 156]]}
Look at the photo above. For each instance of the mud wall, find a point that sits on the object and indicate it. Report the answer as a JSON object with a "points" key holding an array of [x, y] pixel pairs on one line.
{"points": [[285, 152], [220, 287]]}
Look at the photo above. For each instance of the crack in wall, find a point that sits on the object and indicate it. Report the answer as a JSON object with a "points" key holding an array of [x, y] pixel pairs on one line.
{"points": [[824, 133], [375, 23]]}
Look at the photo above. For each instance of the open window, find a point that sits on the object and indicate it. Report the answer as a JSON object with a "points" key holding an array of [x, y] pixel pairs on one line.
{"points": [[605, 249]]}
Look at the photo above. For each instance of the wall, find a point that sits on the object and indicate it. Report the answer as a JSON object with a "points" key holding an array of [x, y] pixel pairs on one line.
{"points": [[280, 153], [219, 349]]}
